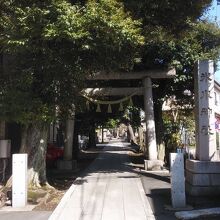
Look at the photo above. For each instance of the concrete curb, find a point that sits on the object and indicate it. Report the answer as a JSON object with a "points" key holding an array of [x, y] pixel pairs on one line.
{"points": [[155, 171], [184, 215], [145, 202], [56, 213]]}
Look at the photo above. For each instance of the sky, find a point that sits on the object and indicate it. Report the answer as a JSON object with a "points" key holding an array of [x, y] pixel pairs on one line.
{"points": [[214, 15]]}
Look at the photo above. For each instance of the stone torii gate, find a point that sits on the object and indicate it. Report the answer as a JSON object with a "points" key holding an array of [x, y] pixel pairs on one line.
{"points": [[146, 90]]}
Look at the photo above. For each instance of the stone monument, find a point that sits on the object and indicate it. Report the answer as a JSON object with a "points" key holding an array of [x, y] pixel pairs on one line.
{"points": [[203, 174], [204, 111]]}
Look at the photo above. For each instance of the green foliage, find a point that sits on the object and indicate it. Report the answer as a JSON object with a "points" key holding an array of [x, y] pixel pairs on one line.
{"points": [[173, 126], [114, 36], [111, 123], [50, 46], [175, 36], [132, 115], [170, 15]]}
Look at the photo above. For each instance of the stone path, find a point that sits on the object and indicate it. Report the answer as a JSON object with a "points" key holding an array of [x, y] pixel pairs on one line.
{"points": [[109, 189]]}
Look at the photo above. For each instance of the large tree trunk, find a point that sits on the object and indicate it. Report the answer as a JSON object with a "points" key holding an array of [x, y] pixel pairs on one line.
{"points": [[141, 139], [131, 133], [34, 143]]}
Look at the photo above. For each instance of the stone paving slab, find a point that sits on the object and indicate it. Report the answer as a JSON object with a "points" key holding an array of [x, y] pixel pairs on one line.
{"points": [[107, 190]]}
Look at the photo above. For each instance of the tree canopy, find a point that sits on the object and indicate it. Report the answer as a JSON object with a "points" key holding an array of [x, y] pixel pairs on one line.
{"points": [[177, 36], [49, 46]]}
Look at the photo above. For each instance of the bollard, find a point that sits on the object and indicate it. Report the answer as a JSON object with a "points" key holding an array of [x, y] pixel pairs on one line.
{"points": [[19, 180], [178, 196]]}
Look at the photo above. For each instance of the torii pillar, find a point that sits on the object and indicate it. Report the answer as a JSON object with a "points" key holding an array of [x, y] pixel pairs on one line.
{"points": [[149, 119], [68, 163], [150, 141], [68, 145]]}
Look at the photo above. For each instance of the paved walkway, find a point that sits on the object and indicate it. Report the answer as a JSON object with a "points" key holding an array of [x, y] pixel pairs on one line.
{"points": [[24, 215], [108, 189]]}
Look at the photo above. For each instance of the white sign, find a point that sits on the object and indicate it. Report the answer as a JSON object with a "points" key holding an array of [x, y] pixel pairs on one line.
{"points": [[19, 180]]}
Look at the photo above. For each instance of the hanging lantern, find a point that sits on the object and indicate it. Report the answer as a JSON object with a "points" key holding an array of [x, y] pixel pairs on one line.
{"points": [[121, 107], [87, 105], [98, 109], [130, 102], [109, 109]]}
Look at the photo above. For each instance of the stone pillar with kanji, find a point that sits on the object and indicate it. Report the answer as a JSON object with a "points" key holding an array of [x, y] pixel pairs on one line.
{"points": [[204, 111]]}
